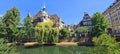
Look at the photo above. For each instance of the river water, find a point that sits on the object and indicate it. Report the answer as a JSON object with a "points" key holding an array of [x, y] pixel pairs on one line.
{"points": [[55, 50]]}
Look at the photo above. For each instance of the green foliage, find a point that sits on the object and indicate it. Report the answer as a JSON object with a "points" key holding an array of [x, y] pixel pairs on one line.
{"points": [[55, 34], [28, 27], [10, 21], [46, 33], [21, 33], [2, 29], [99, 24], [64, 33], [104, 40], [4, 49], [108, 43], [82, 30]]}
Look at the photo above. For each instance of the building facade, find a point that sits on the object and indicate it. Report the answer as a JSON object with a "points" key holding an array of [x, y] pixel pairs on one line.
{"points": [[112, 14], [86, 21], [43, 16]]}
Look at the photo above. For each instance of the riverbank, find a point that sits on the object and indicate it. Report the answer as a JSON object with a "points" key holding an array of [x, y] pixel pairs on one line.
{"points": [[31, 44], [67, 44], [49, 44]]}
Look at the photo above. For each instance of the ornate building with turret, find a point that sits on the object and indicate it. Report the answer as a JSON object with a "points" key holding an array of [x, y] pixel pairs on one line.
{"points": [[43, 16]]}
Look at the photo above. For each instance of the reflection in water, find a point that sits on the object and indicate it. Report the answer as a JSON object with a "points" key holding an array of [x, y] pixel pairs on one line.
{"points": [[55, 50]]}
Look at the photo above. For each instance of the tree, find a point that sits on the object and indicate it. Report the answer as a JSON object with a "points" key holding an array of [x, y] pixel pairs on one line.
{"points": [[11, 20], [2, 28], [4, 49], [64, 33], [55, 34], [99, 24], [44, 32], [1, 19], [21, 33], [82, 30], [28, 27]]}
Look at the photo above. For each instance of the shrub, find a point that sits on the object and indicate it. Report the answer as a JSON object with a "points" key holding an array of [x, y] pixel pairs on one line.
{"points": [[107, 43]]}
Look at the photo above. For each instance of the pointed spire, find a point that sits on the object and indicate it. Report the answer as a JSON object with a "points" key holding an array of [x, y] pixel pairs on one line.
{"points": [[44, 5], [28, 14]]}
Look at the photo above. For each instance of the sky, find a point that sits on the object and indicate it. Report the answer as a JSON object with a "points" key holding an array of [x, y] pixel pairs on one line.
{"points": [[70, 11]]}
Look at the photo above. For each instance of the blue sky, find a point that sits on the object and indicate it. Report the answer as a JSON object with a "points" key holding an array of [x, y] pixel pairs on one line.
{"points": [[71, 11]]}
